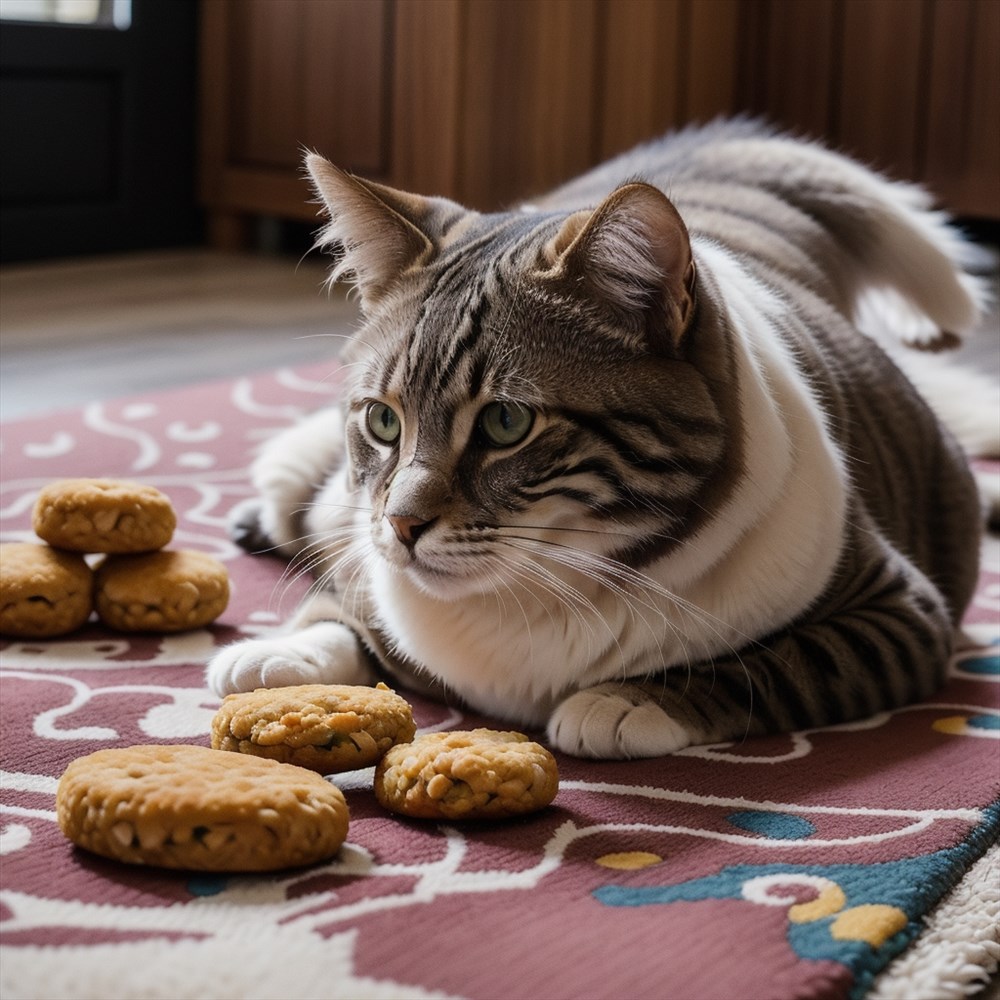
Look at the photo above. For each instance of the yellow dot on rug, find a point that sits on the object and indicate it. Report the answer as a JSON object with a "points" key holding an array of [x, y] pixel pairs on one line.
{"points": [[830, 900], [628, 860], [872, 922], [953, 725]]}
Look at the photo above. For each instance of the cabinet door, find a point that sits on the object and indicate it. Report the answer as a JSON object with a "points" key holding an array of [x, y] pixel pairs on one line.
{"points": [[308, 74], [280, 77], [962, 160]]}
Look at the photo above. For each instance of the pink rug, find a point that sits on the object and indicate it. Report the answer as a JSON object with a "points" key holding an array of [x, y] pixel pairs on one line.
{"points": [[793, 866]]}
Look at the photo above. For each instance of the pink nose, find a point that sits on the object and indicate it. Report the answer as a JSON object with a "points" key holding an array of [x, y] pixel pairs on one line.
{"points": [[408, 529]]}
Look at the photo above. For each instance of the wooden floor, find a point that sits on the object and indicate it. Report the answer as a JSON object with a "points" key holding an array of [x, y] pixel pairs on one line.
{"points": [[95, 328], [75, 331]]}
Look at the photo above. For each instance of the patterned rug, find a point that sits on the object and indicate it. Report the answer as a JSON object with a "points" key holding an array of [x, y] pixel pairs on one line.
{"points": [[793, 866]]}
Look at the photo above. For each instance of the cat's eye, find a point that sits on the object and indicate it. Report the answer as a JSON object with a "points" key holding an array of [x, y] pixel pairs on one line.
{"points": [[505, 424], [383, 422]]}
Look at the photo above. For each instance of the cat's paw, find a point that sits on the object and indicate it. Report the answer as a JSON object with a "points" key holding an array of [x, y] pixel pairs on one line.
{"points": [[245, 528], [615, 722], [323, 653]]}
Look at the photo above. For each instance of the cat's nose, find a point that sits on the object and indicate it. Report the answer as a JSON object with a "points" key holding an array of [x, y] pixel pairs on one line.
{"points": [[408, 529]]}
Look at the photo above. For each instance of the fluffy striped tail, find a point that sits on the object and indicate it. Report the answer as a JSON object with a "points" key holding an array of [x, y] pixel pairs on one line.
{"points": [[889, 231]]}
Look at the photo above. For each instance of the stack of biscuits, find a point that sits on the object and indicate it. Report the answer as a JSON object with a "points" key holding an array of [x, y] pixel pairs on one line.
{"points": [[49, 589]]}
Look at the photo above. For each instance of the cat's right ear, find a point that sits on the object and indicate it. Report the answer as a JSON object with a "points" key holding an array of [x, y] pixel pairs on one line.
{"points": [[374, 230], [631, 254]]}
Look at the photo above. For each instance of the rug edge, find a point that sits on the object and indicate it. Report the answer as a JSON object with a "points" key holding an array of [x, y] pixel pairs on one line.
{"points": [[959, 947]]}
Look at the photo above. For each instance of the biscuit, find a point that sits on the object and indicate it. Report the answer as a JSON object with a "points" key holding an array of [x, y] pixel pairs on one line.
{"points": [[160, 591], [194, 808], [43, 592], [103, 515], [478, 774], [324, 727]]}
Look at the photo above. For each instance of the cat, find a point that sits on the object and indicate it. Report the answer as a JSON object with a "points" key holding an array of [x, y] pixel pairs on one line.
{"points": [[619, 463]]}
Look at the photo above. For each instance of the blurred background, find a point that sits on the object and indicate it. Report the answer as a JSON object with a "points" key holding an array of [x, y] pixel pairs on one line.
{"points": [[149, 141]]}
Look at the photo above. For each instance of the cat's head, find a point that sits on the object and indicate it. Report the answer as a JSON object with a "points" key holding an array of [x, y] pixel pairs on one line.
{"points": [[520, 390]]}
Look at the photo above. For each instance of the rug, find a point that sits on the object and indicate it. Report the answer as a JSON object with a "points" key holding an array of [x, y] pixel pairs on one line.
{"points": [[799, 865]]}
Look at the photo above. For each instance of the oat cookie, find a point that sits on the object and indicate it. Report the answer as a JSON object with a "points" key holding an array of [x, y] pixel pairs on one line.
{"points": [[477, 774], [194, 808], [161, 591], [103, 515], [43, 592], [325, 727]]}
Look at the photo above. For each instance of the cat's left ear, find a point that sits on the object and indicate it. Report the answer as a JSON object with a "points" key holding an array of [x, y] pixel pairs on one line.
{"points": [[376, 230], [632, 253]]}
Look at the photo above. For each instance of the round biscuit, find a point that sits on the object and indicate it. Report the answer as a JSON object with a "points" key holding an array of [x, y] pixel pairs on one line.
{"points": [[325, 727], [473, 774], [43, 592], [166, 591], [103, 515], [193, 808]]}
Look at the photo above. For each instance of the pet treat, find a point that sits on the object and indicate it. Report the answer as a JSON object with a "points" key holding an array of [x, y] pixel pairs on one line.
{"points": [[477, 774], [325, 727], [103, 515], [194, 808], [43, 592], [161, 591]]}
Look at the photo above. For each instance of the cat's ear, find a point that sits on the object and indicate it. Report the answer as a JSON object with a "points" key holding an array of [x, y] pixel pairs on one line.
{"points": [[375, 230], [633, 254]]}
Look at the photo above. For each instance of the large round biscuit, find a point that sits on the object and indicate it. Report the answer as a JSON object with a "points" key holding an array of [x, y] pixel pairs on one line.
{"points": [[475, 774], [161, 591], [325, 727], [195, 808], [103, 515], [43, 592]]}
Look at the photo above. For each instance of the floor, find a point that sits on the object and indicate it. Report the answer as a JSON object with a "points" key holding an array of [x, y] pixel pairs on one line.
{"points": [[95, 328]]}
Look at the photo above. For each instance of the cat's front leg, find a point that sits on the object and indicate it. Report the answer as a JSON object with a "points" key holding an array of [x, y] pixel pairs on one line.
{"points": [[879, 639], [315, 650]]}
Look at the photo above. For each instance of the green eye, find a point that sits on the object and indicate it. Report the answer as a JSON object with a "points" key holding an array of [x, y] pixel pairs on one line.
{"points": [[383, 422], [504, 424]]}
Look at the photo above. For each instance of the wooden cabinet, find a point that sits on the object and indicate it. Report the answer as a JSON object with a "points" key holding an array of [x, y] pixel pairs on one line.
{"points": [[910, 87], [488, 101]]}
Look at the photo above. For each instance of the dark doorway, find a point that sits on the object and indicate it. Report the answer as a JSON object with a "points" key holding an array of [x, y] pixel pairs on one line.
{"points": [[97, 128]]}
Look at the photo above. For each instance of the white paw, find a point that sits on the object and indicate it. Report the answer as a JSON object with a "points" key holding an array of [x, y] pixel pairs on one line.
{"points": [[615, 722], [323, 653]]}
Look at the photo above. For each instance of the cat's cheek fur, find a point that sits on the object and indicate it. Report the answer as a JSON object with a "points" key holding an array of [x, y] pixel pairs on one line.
{"points": [[615, 721]]}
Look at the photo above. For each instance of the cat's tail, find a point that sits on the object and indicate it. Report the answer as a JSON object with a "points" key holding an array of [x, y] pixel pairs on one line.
{"points": [[892, 237]]}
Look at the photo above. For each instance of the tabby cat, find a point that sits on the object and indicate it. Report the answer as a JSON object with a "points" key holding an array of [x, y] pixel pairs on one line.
{"points": [[620, 462]]}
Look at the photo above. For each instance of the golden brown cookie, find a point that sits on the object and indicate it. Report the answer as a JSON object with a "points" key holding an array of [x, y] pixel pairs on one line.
{"points": [[325, 727], [191, 807], [103, 515], [161, 591], [478, 774], [43, 592]]}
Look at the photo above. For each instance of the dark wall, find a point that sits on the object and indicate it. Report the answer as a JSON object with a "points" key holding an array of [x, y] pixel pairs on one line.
{"points": [[97, 132]]}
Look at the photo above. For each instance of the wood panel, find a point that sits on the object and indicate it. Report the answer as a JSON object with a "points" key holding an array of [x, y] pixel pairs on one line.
{"points": [[490, 101], [264, 98], [427, 92], [345, 60], [527, 98], [715, 33], [961, 162], [641, 88], [791, 65], [307, 74], [881, 95]]}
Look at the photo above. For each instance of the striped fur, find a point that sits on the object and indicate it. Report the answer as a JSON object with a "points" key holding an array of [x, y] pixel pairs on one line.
{"points": [[622, 464]]}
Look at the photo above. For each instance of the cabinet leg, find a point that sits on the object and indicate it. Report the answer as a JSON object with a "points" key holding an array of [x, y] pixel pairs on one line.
{"points": [[230, 231]]}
